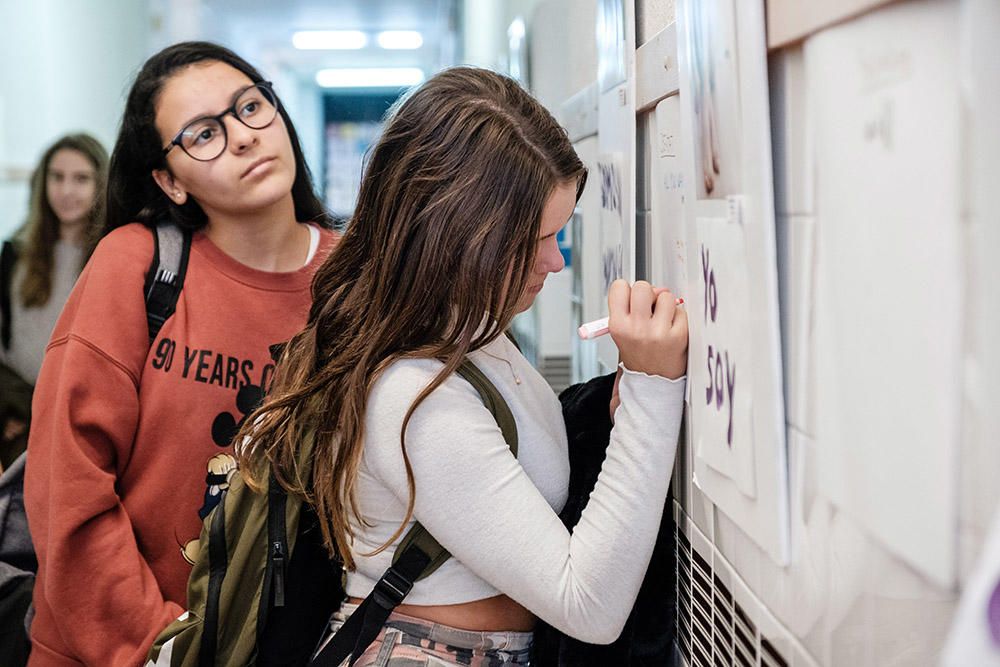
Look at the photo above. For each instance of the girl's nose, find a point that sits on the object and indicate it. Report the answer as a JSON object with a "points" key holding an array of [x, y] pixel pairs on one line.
{"points": [[240, 136], [554, 262]]}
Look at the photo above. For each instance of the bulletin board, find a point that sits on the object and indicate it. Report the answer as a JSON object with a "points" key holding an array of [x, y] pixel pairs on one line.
{"points": [[615, 174], [889, 277], [735, 401], [667, 241]]}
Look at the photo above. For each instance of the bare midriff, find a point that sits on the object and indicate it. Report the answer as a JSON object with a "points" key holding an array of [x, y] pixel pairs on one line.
{"points": [[495, 614]]}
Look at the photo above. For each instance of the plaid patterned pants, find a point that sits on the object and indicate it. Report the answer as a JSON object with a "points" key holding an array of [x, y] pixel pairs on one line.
{"points": [[413, 642]]}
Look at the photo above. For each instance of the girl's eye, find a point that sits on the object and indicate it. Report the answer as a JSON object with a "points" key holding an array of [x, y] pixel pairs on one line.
{"points": [[201, 135], [250, 108]]}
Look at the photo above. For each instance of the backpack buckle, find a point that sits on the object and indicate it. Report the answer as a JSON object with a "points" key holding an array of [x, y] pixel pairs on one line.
{"points": [[166, 276], [391, 589]]}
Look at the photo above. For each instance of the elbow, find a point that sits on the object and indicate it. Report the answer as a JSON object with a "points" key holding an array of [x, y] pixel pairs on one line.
{"points": [[601, 628], [605, 633], [593, 612]]}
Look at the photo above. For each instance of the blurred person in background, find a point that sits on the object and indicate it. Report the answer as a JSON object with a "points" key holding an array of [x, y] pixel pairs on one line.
{"points": [[38, 268], [42, 261]]}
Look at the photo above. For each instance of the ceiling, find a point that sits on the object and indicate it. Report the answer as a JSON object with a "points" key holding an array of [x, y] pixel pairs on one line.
{"points": [[265, 28]]}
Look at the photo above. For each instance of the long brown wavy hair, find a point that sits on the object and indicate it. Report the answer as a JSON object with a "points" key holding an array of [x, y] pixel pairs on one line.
{"points": [[443, 239], [40, 232]]}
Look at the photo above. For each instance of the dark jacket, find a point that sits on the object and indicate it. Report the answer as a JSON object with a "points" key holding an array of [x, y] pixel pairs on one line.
{"points": [[648, 635]]}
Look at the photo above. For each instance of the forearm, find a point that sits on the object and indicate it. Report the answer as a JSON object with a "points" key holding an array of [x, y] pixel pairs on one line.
{"points": [[610, 547], [99, 590]]}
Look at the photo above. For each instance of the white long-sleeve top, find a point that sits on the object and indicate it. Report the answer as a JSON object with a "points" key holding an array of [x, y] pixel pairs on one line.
{"points": [[497, 515]]}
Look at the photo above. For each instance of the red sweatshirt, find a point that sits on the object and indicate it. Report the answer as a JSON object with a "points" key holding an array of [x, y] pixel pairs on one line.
{"points": [[130, 444]]}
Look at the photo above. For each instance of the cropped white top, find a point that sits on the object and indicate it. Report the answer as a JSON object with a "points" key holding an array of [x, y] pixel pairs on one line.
{"points": [[497, 515]]}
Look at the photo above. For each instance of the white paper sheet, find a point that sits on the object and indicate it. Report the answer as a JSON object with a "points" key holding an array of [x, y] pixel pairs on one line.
{"points": [[720, 376], [889, 276]]}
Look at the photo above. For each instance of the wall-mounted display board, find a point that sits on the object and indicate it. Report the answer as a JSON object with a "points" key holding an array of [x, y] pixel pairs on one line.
{"points": [[736, 407], [889, 318], [615, 174], [667, 241]]}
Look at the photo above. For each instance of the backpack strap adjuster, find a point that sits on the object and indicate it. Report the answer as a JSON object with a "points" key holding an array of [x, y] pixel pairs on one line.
{"points": [[165, 278], [391, 589]]}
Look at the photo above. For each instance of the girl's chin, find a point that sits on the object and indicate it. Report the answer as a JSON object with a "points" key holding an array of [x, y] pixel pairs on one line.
{"points": [[71, 219]]}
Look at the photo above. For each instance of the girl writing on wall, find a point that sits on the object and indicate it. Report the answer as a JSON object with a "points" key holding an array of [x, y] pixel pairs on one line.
{"points": [[454, 233]]}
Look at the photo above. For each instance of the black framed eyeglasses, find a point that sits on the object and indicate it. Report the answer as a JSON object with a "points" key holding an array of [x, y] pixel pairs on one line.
{"points": [[205, 138]]}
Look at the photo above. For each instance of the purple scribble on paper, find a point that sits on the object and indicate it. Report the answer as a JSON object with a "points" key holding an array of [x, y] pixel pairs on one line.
{"points": [[993, 614]]}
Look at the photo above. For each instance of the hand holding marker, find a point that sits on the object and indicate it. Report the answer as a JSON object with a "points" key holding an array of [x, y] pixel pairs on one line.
{"points": [[599, 327]]}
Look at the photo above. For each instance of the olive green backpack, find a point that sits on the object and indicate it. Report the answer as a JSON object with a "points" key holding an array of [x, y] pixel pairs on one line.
{"points": [[263, 588]]}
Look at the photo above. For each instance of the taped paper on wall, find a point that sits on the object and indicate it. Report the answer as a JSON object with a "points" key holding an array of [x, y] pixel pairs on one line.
{"points": [[721, 407]]}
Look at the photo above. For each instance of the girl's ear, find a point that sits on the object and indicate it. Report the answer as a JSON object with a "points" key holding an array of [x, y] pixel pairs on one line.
{"points": [[170, 187]]}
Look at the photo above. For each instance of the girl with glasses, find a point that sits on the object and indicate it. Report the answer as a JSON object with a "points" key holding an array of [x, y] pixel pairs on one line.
{"points": [[461, 202], [131, 439]]}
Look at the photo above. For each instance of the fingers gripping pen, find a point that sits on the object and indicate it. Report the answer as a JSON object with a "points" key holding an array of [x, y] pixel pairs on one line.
{"points": [[599, 327]]}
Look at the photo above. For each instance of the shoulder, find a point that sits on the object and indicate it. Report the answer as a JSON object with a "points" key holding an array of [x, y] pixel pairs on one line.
{"points": [[106, 307], [117, 268], [402, 381], [8, 256], [129, 247], [10, 253], [450, 415], [399, 385]]}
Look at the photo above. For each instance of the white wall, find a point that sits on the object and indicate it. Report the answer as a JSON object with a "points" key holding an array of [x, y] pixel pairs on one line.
{"points": [[68, 64], [557, 28], [562, 59], [847, 598], [66, 67]]}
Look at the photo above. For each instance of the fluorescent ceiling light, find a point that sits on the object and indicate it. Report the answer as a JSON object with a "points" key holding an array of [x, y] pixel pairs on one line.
{"points": [[370, 77], [400, 39], [329, 39]]}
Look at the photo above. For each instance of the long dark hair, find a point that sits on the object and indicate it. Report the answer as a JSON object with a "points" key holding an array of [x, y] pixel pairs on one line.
{"points": [[443, 239], [40, 232], [133, 195]]}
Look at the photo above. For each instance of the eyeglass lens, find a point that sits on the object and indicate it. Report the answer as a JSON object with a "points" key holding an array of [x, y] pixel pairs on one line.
{"points": [[205, 138]]}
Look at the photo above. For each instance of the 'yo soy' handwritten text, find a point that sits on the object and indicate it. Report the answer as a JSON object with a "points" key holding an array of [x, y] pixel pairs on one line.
{"points": [[721, 385]]}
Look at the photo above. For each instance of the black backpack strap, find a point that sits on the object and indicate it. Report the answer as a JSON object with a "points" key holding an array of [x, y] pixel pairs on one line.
{"points": [[361, 629], [218, 562], [417, 556], [277, 552], [165, 278], [8, 258]]}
